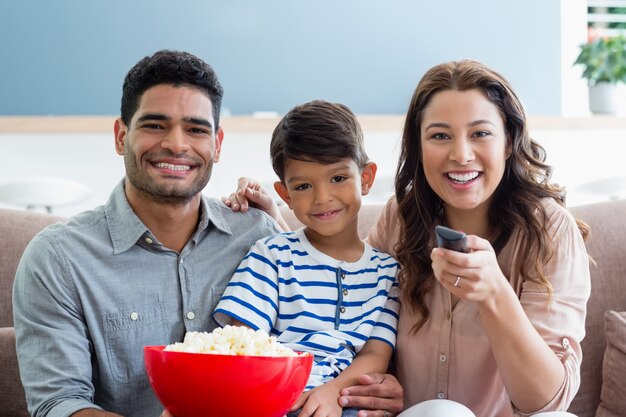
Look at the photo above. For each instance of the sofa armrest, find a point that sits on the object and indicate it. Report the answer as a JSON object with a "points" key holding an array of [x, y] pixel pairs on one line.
{"points": [[11, 390]]}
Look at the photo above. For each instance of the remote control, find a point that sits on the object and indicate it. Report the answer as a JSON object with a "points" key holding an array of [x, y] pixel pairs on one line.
{"points": [[451, 239]]}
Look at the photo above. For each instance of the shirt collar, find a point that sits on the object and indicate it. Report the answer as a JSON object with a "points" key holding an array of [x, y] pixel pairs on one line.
{"points": [[126, 228], [211, 212]]}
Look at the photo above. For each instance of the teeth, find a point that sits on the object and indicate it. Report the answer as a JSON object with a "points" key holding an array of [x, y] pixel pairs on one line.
{"points": [[172, 166], [463, 177]]}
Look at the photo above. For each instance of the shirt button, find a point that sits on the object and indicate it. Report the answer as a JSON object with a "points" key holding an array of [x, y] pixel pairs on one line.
{"points": [[442, 358], [448, 315], [134, 316], [565, 342], [343, 275], [441, 395], [149, 241], [181, 260], [345, 292], [342, 309], [191, 315]]}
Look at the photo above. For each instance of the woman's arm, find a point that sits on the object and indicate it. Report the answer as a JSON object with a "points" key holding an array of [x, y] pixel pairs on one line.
{"points": [[535, 339], [531, 372]]}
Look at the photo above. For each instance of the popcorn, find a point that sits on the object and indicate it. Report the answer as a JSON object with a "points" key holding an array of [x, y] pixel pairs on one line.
{"points": [[232, 340]]}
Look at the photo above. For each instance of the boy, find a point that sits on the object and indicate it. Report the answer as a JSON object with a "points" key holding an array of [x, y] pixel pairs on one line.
{"points": [[320, 289]]}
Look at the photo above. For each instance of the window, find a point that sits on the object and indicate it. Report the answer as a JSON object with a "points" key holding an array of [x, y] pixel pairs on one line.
{"points": [[606, 17]]}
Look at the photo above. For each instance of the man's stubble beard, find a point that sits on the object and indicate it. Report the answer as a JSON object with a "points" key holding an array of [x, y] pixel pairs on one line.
{"points": [[163, 194]]}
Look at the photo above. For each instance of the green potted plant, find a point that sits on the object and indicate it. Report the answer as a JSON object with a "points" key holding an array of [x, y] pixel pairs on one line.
{"points": [[604, 63]]}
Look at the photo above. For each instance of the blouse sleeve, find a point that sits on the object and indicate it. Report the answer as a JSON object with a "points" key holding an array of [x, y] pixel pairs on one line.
{"points": [[384, 235], [561, 322]]}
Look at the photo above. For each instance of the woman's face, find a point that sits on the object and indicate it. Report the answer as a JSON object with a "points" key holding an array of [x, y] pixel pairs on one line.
{"points": [[464, 148]]}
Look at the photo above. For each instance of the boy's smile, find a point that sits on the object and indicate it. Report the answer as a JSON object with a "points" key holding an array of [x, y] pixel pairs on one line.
{"points": [[328, 215]]}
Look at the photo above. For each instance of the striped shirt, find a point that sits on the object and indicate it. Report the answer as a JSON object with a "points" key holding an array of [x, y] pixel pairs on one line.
{"points": [[312, 302]]}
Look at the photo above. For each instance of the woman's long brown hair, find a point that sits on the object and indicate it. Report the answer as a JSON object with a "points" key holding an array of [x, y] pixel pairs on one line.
{"points": [[517, 199]]}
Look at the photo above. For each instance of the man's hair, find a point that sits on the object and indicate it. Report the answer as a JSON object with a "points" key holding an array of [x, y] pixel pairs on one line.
{"points": [[317, 131], [174, 68]]}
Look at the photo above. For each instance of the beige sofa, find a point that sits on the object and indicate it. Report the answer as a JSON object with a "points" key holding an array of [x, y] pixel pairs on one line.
{"points": [[606, 245]]}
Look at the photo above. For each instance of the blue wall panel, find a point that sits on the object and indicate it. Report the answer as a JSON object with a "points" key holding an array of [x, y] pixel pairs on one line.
{"points": [[70, 56]]}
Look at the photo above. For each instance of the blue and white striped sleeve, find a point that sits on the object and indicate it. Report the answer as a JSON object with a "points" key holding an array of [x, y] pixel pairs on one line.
{"points": [[386, 326], [252, 294]]}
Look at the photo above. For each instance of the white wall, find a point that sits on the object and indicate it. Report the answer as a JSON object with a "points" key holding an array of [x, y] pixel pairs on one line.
{"points": [[574, 93], [91, 159], [578, 155]]}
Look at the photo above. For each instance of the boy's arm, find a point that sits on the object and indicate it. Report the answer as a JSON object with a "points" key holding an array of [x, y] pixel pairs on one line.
{"points": [[249, 193], [251, 296], [374, 357], [235, 322]]}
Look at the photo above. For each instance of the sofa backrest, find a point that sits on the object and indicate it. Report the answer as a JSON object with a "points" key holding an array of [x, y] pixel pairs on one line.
{"points": [[608, 278], [606, 245], [17, 228]]}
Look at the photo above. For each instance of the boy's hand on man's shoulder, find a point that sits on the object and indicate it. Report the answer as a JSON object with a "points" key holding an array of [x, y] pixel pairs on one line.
{"points": [[249, 193]]}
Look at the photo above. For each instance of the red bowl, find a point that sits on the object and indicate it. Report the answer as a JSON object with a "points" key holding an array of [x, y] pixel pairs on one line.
{"points": [[201, 384]]}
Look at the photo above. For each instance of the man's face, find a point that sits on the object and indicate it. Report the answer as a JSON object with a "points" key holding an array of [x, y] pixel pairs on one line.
{"points": [[170, 146]]}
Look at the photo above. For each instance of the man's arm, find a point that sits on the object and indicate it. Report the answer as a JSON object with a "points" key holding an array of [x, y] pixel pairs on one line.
{"points": [[51, 336], [94, 412]]}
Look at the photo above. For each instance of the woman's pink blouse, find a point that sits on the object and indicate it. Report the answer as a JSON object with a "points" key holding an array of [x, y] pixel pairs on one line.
{"points": [[450, 357]]}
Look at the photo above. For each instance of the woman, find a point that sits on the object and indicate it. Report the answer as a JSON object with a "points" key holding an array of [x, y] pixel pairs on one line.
{"points": [[497, 329]]}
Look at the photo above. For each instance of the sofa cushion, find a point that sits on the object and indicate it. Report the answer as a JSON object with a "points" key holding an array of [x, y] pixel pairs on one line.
{"points": [[18, 228], [612, 399], [11, 391]]}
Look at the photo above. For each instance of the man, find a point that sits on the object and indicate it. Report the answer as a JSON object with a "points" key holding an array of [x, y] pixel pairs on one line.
{"points": [[141, 270]]}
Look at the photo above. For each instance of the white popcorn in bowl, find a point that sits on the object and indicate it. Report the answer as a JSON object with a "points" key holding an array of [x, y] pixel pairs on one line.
{"points": [[232, 340]]}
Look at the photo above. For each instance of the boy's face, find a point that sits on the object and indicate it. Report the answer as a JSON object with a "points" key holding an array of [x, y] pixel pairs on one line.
{"points": [[326, 198]]}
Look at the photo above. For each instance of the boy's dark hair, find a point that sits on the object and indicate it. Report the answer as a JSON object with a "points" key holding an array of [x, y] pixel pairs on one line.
{"points": [[174, 68], [317, 131]]}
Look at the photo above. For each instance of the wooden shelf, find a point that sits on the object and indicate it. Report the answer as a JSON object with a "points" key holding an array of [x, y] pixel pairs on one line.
{"points": [[250, 124]]}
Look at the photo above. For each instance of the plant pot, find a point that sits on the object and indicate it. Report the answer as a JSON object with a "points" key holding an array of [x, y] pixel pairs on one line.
{"points": [[608, 98]]}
